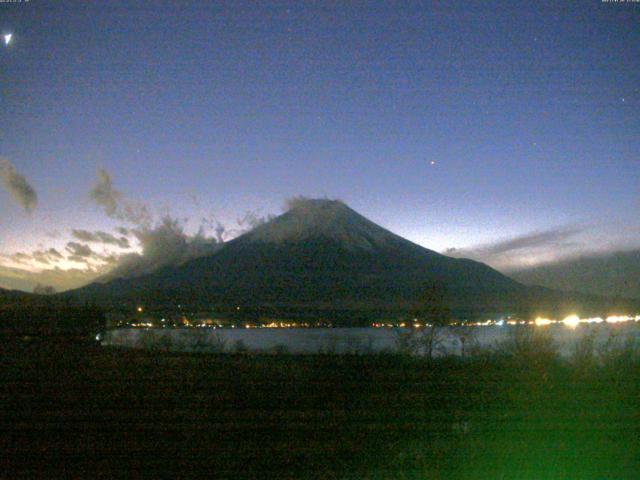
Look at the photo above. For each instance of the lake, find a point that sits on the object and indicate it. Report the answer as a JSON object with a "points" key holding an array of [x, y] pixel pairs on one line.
{"points": [[452, 341]]}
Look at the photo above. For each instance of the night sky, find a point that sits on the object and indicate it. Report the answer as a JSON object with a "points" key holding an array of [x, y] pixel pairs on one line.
{"points": [[496, 128]]}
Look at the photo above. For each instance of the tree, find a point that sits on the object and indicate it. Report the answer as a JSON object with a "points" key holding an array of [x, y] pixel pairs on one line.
{"points": [[432, 311], [44, 289]]}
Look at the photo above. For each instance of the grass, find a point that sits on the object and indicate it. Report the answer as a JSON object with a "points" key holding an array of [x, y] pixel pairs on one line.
{"points": [[77, 411]]}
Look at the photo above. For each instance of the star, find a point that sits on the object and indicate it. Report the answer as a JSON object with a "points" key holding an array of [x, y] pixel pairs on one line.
{"points": [[432, 162], [7, 38]]}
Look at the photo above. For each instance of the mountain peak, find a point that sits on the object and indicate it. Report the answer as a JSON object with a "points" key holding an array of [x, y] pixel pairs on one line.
{"points": [[315, 207], [311, 218]]}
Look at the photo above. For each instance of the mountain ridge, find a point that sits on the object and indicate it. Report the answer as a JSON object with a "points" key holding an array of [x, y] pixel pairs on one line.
{"points": [[322, 256]]}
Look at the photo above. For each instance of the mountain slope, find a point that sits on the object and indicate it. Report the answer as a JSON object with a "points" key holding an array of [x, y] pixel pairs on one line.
{"points": [[321, 256], [612, 274]]}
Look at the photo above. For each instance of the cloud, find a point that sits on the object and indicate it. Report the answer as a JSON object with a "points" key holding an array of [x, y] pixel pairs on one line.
{"points": [[104, 194], [47, 257], [17, 186], [168, 244], [19, 257], [59, 278], [609, 274], [530, 241], [115, 204], [564, 258], [165, 245], [100, 237], [160, 245], [41, 257], [79, 249], [251, 220], [53, 253], [82, 253], [527, 249]]}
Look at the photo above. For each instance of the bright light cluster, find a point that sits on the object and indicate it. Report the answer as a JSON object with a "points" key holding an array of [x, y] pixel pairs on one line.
{"points": [[572, 321], [142, 325], [541, 322]]}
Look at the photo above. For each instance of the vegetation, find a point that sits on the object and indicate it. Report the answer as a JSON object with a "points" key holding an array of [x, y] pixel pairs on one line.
{"points": [[38, 318], [519, 412]]}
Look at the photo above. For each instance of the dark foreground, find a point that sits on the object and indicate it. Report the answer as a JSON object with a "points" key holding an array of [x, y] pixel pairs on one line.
{"points": [[83, 412]]}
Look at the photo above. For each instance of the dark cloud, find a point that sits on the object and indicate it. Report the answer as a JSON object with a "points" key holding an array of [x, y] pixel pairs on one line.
{"points": [[110, 259], [86, 235], [535, 247], [104, 194], [41, 257], [17, 186], [46, 257], [114, 203], [100, 237], [53, 253], [20, 257], [609, 274], [530, 241], [555, 259], [79, 250]]}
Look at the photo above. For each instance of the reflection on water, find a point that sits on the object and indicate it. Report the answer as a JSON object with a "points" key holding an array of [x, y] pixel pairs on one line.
{"points": [[450, 340]]}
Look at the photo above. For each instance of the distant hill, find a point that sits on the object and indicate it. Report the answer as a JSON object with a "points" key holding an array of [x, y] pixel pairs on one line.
{"points": [[12, 296], [45, 316], [613, 275], [321, 258]]}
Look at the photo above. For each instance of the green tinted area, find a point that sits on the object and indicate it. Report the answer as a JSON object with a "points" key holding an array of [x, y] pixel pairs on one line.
{"points": [[80, 411]]}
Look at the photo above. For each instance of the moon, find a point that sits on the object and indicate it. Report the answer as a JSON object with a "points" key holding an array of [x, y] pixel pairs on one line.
{"points": [[7, 38]]}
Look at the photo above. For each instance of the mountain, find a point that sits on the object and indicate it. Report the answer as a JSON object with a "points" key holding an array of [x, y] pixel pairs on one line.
{"points": [[323, 259], [8, 297], [614, 274], [27, 314]]}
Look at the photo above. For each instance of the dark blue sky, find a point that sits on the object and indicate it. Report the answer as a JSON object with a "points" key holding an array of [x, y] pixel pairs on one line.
{"points": [[528, 109]]}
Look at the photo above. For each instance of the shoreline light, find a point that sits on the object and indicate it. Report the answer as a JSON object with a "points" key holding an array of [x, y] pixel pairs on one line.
{"points": [[542, 322], [592, 320], [572, 321]]}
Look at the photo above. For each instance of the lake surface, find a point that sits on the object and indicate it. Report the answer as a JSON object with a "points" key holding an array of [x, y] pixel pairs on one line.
{"points": [[452, 341]]}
